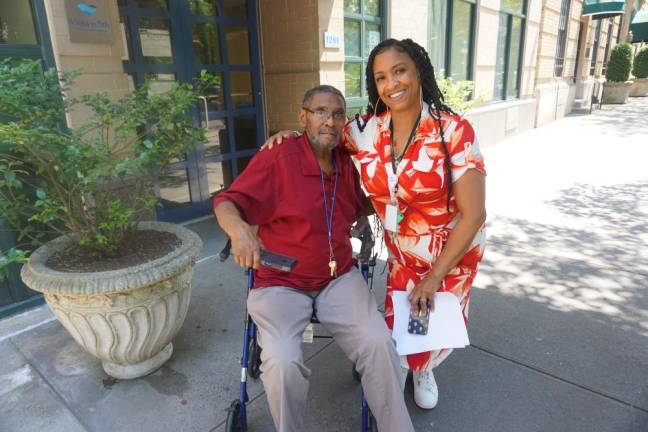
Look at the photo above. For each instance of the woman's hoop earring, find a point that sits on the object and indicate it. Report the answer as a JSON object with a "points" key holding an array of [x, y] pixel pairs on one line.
{"points": [[386, 106], [377, 105]]}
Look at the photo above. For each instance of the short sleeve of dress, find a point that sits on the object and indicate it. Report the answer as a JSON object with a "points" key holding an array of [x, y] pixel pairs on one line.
{"points": [[464, 150], [354, 140]]}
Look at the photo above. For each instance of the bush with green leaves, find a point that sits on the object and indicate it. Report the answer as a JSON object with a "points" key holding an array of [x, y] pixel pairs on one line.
{"points": [[457, 95], [93, 181], [640, 64], [618, 67]]}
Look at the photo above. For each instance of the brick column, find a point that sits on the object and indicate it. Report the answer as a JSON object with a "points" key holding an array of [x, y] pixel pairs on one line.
{"points": [[290, 57]]}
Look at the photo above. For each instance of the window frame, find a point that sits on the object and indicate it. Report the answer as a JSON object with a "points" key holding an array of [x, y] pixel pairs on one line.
{"points": [[507, 51], [561, 43], [579, 52], [357, 104], [608, 44], [595, 47], [43, 47], [447, 42]]}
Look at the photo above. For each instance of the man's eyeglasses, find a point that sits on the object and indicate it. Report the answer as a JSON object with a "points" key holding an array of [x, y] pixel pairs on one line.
{"points": [[323, 116]]}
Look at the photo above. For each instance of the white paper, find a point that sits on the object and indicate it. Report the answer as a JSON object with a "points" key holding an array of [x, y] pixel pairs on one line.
{"points": [[446, 327]]}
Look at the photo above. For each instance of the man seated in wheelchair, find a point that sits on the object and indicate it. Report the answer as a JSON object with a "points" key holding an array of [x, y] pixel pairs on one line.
{"points": [[304, 196]]}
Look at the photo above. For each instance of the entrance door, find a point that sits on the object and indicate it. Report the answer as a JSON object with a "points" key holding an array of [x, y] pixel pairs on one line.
{"points": [[177, 40]]}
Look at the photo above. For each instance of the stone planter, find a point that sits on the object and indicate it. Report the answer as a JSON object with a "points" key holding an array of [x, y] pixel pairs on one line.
{"points": [[616, 92], [124, 317], [639, 87]]}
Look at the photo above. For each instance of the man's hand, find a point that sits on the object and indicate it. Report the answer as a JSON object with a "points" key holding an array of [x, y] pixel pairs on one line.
{"points": [[246, 247], [278, 138]]}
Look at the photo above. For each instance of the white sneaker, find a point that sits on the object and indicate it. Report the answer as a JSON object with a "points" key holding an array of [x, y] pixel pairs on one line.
{"points": [[426, 392]]}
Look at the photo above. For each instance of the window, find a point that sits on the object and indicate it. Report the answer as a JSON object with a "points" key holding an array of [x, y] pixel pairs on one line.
{"points": [[618, 37], [562, 38], [581, 30], [16, 24], [363, 30], [451, 56], [595, 49], [509, 49], [23, 35], [607, 44]]}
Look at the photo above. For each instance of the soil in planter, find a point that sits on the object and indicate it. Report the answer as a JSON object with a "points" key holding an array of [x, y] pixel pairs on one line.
{"points": [[140, 247]]}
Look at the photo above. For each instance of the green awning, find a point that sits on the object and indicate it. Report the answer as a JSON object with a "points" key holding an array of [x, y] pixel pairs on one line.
{"points": [[639, 27], [599, 9]]}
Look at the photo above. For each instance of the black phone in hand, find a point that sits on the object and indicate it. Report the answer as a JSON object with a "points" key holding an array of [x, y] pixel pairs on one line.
{"points": [[277, 261]]}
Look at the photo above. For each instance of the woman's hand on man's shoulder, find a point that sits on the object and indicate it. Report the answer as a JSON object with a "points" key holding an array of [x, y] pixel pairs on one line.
{"points": [[278, 138]]}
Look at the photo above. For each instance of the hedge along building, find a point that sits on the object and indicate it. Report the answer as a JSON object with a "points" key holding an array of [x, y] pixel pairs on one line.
{"points": [[264, 54]]}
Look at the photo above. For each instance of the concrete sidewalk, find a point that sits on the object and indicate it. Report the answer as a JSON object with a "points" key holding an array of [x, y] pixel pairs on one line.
{"points": [[559, 316]]}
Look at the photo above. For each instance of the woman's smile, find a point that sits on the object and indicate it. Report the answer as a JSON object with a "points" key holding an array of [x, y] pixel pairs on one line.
{"points": [[397, 95]]}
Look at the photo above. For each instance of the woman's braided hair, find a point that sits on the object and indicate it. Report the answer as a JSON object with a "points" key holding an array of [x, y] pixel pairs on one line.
{"points": [[431, 93]]}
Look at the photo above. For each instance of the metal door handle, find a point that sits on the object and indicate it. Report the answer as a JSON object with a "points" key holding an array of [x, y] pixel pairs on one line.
{"points": [[204, 99]]}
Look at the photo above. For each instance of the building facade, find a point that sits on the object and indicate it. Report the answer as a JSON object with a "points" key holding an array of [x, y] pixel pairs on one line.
{"points": [[531, 61]]}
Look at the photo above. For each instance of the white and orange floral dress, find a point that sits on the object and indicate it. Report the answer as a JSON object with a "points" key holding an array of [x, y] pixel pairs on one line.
{"points": [[422, 199]]}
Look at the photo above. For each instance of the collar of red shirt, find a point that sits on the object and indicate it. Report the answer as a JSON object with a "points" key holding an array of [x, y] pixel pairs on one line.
{"points": [[310, 166]]}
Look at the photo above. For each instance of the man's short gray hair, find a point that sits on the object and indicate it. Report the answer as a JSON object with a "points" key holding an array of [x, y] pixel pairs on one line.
{"points": [[324, 88]]}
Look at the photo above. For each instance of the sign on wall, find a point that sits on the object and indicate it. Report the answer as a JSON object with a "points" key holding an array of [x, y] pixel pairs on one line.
{"points": [[89, 21], [331, 40]]}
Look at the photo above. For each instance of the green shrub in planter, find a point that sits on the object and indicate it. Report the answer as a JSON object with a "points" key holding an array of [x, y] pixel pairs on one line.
{"points": [[640, 66], [57, 180], [618, 67]]}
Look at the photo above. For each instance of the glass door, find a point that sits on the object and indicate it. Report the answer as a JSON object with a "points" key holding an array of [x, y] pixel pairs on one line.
{"points": [[178, 40], [23, 35]]}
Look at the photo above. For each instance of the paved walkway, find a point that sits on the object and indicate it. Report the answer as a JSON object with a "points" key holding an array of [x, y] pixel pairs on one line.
{"points": [[559, 318]]}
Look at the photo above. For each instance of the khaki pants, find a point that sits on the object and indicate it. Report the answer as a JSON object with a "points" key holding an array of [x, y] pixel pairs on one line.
{"points": [[348, 310]]}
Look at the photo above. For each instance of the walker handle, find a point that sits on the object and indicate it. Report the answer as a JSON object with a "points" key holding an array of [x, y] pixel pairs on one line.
{"points": [[225, 253]]}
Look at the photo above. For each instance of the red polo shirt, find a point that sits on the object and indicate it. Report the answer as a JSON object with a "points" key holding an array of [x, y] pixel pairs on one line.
{"points": [[281, 192]]}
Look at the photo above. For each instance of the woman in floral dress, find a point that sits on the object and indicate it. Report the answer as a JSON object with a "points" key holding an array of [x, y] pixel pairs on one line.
{"points": [[439, 196]]}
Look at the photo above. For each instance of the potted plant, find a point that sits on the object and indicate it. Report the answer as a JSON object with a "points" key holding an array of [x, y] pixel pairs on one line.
{"points": [[617, 87], [120, 285], [640, 72]]}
